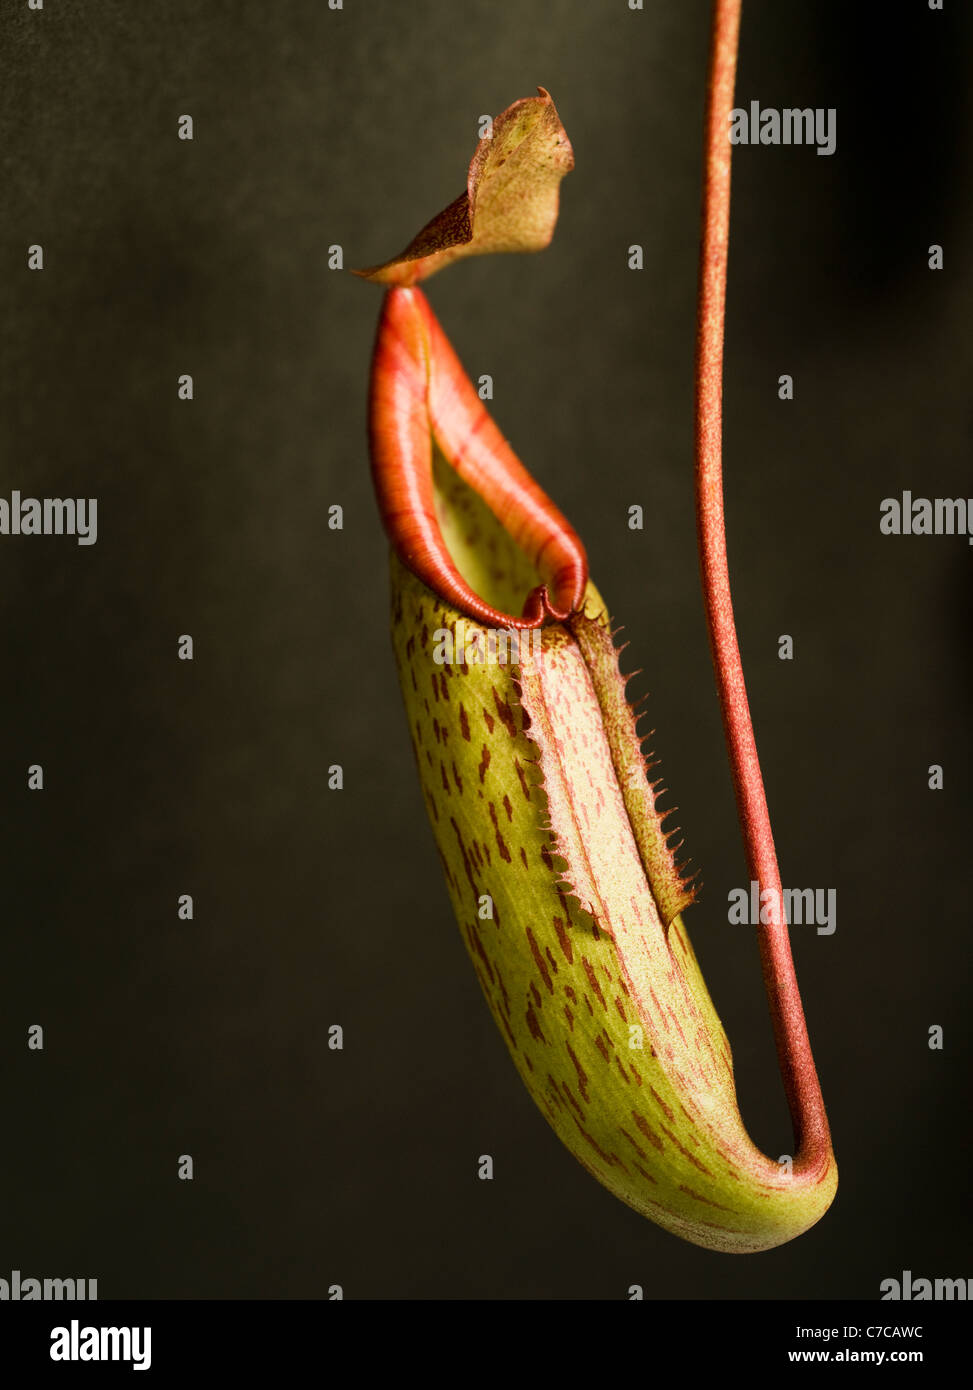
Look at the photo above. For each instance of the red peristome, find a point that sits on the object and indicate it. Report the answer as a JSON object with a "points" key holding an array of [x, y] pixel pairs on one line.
{"points": [[419, 392]]}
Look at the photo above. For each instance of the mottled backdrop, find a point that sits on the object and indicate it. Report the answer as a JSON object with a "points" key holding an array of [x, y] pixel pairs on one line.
{"points": [[162, 777]]}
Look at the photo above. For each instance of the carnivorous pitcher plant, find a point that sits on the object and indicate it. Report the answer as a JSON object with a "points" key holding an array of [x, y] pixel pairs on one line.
{"points": [[561, 872]]}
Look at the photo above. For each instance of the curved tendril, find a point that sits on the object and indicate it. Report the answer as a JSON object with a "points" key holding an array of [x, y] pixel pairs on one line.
{"points": [[790, 1030]]}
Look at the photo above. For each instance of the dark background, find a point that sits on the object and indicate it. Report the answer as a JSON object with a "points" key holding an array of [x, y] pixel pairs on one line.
{"points": [[313, 127]]}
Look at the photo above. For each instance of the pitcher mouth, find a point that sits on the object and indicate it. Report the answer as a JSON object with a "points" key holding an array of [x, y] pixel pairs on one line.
{"points": [[421, 398]]}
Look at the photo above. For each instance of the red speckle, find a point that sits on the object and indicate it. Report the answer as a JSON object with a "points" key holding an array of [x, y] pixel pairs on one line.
{"points": [[666, 1110], [539, 960], [686, 1153], [476, 943], [647, 1130], [504, 713], [700, 1198], [570, 1095], [593, 981], [506, 1029], [635, 1144], [501, 843], [582, 1074]]}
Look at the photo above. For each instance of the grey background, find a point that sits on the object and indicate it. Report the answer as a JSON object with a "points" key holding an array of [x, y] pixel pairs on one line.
{"points": [[315, 127]]}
